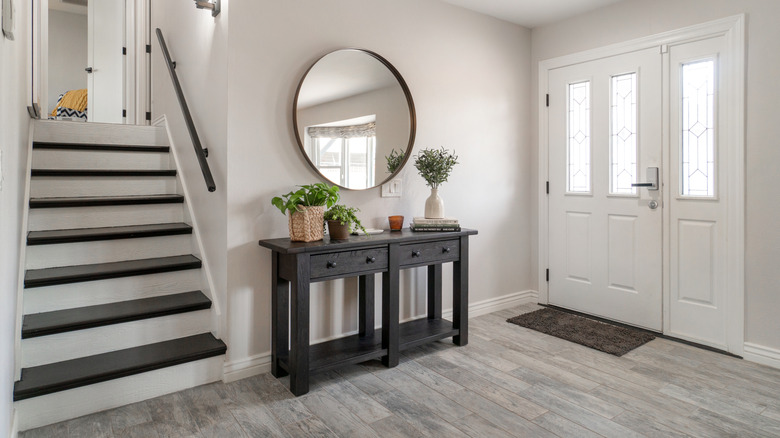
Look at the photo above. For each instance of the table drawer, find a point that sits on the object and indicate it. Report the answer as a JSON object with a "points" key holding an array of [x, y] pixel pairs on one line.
{"points": [[430, 252], [348, 262]]}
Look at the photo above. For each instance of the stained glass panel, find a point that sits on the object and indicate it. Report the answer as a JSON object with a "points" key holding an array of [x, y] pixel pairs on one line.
{"points": [[698, 129], [623, 134], [578, 148]]}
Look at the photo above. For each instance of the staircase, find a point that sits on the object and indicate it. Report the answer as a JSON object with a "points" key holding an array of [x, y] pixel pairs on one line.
{"points": [[115, 301]]}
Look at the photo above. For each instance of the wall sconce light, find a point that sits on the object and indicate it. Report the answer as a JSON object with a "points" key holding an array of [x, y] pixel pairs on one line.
{"points": [[211, 4]]}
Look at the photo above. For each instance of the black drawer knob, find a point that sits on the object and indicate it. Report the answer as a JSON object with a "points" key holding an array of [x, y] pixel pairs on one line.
{"points": [[416, 253], [331, 264], [445, 249], [370, 259]]}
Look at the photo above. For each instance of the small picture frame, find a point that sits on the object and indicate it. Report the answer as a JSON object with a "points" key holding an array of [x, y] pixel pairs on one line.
{"points": [[8, 19]]}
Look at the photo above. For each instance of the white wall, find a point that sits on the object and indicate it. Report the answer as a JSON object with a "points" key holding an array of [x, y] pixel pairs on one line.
{"points": [[14, 137], [469, 76], [197, 43], [636, 18], [67, 53]]}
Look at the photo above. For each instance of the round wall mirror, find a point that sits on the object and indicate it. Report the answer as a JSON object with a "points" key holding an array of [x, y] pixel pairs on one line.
{"points": [[353, 109]]}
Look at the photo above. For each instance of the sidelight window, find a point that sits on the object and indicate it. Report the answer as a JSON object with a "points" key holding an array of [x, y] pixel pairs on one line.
{"points": [[698, 129]]}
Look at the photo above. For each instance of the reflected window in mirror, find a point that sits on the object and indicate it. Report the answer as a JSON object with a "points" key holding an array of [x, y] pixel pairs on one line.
{"points": [[344, 152]]}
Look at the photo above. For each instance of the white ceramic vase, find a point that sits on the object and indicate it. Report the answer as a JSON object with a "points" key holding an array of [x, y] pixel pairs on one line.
{"points": [[434, 206]]}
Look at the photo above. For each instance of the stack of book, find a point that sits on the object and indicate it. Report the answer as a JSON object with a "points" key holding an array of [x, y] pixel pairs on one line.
{"points": [[444, 224]]}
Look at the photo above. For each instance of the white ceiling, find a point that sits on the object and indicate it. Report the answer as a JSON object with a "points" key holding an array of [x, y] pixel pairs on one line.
{"points": [[342, 74], [532, 13]]}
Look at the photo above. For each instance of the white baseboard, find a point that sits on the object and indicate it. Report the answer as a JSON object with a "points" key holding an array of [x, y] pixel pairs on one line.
{"points": [[247, 367], [261, 363], [761, 354], [495, 304]]}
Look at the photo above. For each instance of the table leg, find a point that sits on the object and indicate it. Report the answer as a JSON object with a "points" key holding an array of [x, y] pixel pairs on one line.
{"points": [[280, 302], [460, 299], [390, 307], [299, 333], [434, 291], [366, 299]]}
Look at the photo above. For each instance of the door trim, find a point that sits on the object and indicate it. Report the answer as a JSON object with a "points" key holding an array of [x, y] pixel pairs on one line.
{"points": [[733, 29]]}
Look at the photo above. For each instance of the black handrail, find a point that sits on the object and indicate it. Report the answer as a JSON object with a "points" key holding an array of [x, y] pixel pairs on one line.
{"points": [[200, 152]]}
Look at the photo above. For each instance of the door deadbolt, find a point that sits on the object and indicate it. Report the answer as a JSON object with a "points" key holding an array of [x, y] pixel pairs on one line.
{"points": [[652, 204]]}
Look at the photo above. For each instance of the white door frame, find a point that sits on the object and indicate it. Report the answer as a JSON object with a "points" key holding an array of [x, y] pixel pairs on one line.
{"points": [[137, 85], [733, 126]]}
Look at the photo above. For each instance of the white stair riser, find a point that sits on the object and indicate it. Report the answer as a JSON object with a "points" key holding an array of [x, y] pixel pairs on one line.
{"points": [[99, 133], [64, 405], [80, 159], [106, 251], [93, 293], [79, 343], [52, 187], [108, 216]]}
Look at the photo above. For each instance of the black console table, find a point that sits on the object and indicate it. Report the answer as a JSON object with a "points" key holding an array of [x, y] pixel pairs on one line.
{"points": [[295, 265]]}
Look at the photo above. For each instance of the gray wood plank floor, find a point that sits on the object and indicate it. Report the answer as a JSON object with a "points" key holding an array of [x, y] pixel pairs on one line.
{"points": [[509, 381]]}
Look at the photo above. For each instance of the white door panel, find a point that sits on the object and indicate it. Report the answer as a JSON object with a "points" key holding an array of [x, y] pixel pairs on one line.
{"points": [[605, 241], [698, 186], [105, 38]]}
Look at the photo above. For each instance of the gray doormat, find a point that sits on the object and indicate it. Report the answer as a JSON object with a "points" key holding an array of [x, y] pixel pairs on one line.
{"points": [[601, 336]]}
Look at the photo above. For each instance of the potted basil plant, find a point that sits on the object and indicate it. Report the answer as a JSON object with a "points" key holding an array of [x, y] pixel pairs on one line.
{"points": [[342, 221], [306, 210]]}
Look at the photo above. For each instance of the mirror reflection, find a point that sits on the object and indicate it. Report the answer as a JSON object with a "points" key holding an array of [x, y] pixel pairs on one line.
{"points": [[351, 110]]}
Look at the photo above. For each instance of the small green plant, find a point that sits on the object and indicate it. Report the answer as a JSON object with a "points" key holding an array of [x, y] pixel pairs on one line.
{"points": [[435, 165], [346, 216], [307, 195], [394, 160]]}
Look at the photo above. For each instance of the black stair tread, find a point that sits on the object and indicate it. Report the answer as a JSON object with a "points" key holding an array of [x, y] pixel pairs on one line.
{"points": [[101, 172], [97, 201], [99, 147], [60, 321], [59, 376], [106, 233], [102, 271]]}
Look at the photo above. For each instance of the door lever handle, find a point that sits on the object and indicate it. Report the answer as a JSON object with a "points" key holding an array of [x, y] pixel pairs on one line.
{"points": [[89, 69], [652, 176]]}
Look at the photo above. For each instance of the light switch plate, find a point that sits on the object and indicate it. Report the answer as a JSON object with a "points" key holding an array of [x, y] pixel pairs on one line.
{"points": [[392, 188]]}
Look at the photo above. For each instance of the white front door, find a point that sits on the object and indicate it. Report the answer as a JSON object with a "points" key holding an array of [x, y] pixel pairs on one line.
{"points": [[605, 236], [105, 84]]}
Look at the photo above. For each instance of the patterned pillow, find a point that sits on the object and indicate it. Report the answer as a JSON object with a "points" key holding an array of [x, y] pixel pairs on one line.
{"points": [[61, 111]]}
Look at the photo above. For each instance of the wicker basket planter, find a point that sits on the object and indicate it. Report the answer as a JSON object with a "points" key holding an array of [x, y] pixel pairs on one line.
{"points": [[307, 224]]}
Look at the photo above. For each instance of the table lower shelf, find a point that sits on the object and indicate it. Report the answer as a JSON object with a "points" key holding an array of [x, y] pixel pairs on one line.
{"points": [[355, 349]]}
